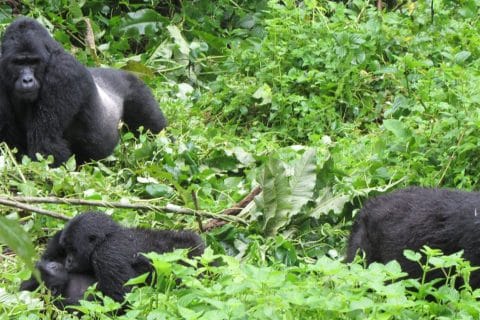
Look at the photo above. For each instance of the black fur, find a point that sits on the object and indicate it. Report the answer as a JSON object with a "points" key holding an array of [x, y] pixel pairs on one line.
{"points": [[95, 243], [69, 287], [52, 105], [414, 217]]}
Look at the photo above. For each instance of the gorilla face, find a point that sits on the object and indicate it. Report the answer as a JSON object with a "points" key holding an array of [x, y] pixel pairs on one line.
{"points": [[24, 58], [23, 69], [53, 274]]}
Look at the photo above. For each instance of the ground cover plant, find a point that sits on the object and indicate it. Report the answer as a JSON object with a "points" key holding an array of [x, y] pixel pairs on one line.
{"points": [[318, 104]]}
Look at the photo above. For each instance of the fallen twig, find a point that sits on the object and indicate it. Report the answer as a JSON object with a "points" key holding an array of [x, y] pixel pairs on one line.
{"points": [[18, 205], [236, 209]]}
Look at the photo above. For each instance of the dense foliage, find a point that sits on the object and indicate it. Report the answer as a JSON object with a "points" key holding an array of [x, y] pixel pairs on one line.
{"points": [[320, 103]]}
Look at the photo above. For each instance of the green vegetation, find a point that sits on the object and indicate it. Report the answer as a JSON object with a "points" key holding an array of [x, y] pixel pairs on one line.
{"points": [[322, 104]]}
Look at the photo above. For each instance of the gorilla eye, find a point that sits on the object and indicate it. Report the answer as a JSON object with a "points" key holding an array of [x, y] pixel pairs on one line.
{"points": [[26, 61]]}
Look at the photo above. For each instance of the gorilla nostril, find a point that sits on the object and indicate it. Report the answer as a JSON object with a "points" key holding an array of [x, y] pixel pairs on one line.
{"points": [[27, 80]]}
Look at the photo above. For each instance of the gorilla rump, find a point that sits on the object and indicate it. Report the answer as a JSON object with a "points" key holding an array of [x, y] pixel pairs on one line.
{"points": [[94, 243], [52, 105], [414, 217], [68, 287]]}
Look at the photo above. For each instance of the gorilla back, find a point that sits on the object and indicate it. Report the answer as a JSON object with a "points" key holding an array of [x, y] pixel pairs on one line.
{"points": [[413, 217], [52, 105]]}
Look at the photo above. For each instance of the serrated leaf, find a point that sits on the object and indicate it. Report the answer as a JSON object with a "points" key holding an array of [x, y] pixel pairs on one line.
{"points": [[328, 202], [303, 181], [274, 201], [283, 197], [12, 234]]}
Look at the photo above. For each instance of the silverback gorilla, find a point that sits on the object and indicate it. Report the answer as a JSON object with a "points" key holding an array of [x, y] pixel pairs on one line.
{"points": [[95, 244], [411, 218], [52, 105]]}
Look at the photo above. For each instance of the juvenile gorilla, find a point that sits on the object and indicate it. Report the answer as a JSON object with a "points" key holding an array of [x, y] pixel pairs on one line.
{"points": [[414, 217], [52, 105], [96, 244], [68, 287]]}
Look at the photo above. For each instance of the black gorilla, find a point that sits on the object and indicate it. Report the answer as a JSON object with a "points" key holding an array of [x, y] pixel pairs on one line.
{"points": [[414, 217], [67, 286], [96, 244], [52, 105]]}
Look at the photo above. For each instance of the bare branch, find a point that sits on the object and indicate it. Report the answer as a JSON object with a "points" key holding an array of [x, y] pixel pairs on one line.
{"points": [[236, 209], [27, 207], [15, 201]]}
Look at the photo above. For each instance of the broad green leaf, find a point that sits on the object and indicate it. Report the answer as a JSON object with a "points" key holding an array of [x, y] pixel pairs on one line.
{"points": [[303, 181], [274, 200], [462, 56], [396, 127], [412, 255], [12, 234], [284, 197], [328, 202], [142, 20]]}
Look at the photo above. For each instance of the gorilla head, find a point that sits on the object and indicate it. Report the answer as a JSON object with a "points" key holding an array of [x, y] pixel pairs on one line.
{"points": [[82, 236], [26, 56], [69, 287]]}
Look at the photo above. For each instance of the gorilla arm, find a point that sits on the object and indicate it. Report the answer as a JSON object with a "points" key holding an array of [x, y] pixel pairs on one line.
{"points": [[9, 131], [114, 269], [66, 89]]}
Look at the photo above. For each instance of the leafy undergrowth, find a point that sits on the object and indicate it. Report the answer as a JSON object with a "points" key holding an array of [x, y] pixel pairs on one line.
{"points": [[326, 289], [320, 103]]}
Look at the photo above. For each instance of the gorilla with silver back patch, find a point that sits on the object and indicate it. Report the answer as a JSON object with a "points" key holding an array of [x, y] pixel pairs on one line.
{"points": [[52, 105], [411, 218], [94, 243]]}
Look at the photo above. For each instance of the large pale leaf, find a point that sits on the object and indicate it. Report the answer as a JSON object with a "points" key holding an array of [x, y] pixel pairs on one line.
{"points": [[328, 202], [142, 20], [274, 201], [283, 197], [12, 234], [182, 44], [303, 181]]}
